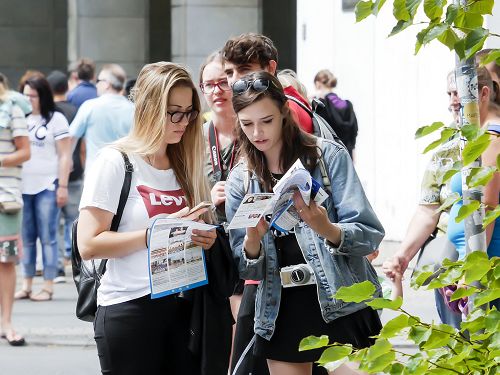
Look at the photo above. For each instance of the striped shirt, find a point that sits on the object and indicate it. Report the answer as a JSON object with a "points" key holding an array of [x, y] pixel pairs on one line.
{"points": [[10, 177]]}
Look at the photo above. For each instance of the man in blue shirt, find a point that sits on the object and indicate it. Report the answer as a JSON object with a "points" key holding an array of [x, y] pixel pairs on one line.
{"points": [[106, 118], [85, 89]]}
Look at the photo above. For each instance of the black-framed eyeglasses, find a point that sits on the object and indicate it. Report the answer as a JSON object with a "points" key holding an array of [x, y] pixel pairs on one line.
{"points": [[177, 116], [259, 85], [209, 87]]}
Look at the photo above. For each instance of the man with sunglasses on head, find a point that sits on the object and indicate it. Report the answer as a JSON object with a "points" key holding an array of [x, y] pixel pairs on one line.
{"points": [[106, 118], [243, 55], [250, 53]]}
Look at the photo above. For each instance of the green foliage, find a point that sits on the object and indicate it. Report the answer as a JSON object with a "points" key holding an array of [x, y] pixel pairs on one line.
{"points": [[426, 130], [356, 293], [474, 349], [446, 134], [466, 210], [384, 303], [313, 342], [473, 149], [491, 216]]}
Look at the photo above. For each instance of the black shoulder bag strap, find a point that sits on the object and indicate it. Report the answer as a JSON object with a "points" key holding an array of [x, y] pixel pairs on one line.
{"points": [[215, 155], [214, 151], [129, 168]]}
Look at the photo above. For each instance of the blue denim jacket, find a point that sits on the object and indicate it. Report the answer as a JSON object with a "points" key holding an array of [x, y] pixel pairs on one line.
{"points": [[334, 267]]}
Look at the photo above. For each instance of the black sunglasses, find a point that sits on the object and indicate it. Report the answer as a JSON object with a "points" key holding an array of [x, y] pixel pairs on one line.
{"points": [[177, 117], [259, 85]]}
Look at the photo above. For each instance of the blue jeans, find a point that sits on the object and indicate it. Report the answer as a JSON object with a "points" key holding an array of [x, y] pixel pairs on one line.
{"points": [[40, 218], [445, 314], [69, 213]]}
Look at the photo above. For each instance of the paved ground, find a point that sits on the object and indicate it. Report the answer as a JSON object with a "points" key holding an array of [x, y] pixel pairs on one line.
{"points": [[59, 343]]}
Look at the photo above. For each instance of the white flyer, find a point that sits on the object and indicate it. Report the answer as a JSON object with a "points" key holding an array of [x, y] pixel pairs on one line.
{"points": [[279, 204], [175, 263]]}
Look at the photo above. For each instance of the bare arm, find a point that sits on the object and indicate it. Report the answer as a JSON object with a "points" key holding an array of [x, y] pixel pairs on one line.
{"points": [[63, 147], [96, 241], [422, 224], [22, 153]]}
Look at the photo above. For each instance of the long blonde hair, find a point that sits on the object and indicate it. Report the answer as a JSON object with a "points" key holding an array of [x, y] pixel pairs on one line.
{"points": [[150, 95]]}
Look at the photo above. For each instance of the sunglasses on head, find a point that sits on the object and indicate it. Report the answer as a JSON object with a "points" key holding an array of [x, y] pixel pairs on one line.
{"points": [[258, 85]]}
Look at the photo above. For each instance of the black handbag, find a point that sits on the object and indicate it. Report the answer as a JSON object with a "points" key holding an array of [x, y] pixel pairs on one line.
{"points": [[86, 275]]}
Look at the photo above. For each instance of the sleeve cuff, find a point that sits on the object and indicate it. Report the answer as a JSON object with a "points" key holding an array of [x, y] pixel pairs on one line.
{"points": [[250, 262], [336, 249]]}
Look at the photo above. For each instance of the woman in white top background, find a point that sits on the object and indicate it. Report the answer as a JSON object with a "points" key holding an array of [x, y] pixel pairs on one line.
{"points": [[44, 186]]}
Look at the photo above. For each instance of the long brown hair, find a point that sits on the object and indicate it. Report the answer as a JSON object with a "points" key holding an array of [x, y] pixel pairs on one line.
{"points": [[147, 135], [296, 143]]}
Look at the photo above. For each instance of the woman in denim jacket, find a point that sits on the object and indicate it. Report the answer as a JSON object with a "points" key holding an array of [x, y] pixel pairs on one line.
{"points": [[332, 240]]}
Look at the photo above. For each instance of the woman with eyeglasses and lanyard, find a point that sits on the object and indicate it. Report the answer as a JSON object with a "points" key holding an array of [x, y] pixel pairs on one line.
{"points": [[44, 186], [331, 240], [134, 333]]}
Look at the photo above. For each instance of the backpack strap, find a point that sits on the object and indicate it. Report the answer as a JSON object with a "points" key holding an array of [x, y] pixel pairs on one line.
{"points": [[302, 105], [129, 168], [322, 167]]}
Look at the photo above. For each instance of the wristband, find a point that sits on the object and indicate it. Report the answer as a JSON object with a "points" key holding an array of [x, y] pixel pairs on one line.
{"points": [[146, 239]]}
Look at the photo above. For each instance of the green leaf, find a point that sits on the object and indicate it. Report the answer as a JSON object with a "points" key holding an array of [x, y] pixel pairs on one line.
{"points": [[460, 356], [477, 272], [356, 293], [412, 7], [400, 26], [492, 321], [460, 48], [468, 20], [399, 10], [383, 303], [449, 38], [363, 9], [486, 296], [418, 334], [381, 346], [435, 32], [436, 339], [396, 369], [451, 13], [420, 277], [449, 201], [498, 162], [462, 292], [466, 210], [334, 353], [481, 6], [428, 129], [434, 8], [475, 257], [377, 6], [482, 177], [471, 132], [358, 355], [442, 179], [416, 365], [379, 364], [394, 326], [490, 57], [446, 133], [491, 216], [473, 325], [448, 277], [474, 149], [474, 41], [313, 342]]}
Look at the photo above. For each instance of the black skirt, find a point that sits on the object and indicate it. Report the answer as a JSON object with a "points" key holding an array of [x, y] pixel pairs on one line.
{"points": [[300, 316]]}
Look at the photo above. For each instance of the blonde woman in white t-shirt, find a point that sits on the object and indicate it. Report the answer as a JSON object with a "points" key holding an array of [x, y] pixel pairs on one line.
{"points": [[44, 186], [134, 333]]}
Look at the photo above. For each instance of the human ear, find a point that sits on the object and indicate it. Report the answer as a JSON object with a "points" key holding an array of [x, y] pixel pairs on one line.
{"points": [[271, 67]]}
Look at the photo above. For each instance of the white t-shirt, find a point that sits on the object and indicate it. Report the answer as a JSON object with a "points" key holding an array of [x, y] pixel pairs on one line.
{"points": [[153, 192], [40, 172]]}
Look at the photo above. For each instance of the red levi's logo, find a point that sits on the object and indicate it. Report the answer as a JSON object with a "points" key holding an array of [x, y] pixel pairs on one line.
{"points": [[162, 201]]}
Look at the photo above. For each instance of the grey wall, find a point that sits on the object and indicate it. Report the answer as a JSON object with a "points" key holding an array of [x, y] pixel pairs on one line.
{"points": [[109, 31], [200, 27], [33, 35]]}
